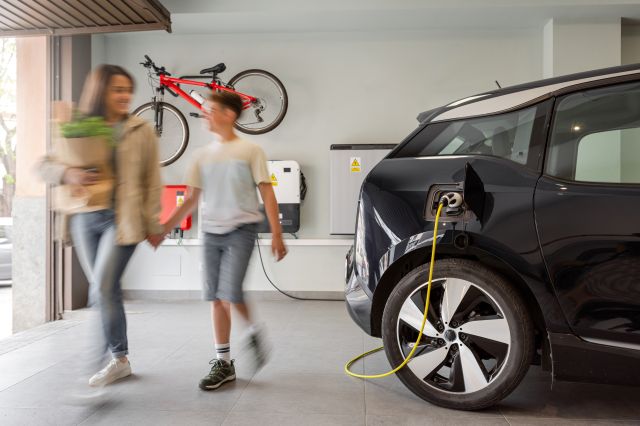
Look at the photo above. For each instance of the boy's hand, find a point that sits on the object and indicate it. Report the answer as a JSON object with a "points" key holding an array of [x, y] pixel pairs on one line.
{"points": [[278, 248], [155, 240]]}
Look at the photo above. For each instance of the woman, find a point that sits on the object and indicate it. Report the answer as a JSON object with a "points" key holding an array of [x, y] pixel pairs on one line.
{"points": [[105, 239]]}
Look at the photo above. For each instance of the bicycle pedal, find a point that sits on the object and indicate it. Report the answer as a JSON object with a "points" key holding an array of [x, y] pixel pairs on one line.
{"points": [[196, 115]]}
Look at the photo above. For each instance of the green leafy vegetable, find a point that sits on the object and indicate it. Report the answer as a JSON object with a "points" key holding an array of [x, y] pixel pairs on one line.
{"points": [[83, 127]]}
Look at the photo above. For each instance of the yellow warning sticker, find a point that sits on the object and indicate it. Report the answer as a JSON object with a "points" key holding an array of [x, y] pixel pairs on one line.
{"points": [[274, 179], [355, 164]]}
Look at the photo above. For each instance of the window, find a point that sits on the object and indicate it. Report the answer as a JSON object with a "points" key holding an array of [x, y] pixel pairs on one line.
{"points": [[596, 136], [507, 136]]}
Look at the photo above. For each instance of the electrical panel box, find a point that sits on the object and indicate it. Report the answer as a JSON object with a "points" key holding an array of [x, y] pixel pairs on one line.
{"points": [[173, 196], [285, 177], [349, 165]]}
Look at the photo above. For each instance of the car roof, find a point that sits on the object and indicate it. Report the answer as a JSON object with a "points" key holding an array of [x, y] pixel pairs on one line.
{"points": [[513, 97]]}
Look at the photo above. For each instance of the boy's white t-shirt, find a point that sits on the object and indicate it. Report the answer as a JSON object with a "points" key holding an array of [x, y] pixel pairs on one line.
{"points": [[228, 173]]}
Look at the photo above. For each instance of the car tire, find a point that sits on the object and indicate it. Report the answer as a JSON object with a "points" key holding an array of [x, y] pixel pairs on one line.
{"points": [[477, 344]]}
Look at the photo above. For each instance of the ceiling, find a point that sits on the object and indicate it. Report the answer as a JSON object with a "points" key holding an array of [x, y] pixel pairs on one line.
{"points": [[64, 17], [255, 16]]}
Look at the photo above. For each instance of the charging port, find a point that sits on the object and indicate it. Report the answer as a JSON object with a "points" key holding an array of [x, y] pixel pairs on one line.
{"points": [[454, 209]]}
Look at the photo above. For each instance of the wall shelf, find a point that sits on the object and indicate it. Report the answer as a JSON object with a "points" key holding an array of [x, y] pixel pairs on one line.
{"points": [[267, 242]]}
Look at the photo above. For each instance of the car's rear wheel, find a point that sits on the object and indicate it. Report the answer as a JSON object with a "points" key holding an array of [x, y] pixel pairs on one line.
{"points": [[478, 340]]}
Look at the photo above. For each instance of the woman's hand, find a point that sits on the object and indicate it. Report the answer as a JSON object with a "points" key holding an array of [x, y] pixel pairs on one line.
{"points": [[278, 248], [76, 176]]}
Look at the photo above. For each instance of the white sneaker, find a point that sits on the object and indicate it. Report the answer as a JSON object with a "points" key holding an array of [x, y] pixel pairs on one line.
{"points": [[115, 370], [259, 346]]}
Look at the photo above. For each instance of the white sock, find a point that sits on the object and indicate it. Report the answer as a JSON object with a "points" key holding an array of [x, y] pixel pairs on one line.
{"points": [[223, 351]]}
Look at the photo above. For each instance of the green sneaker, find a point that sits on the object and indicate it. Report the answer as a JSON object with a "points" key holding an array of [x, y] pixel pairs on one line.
{"points": [[221, 372]]}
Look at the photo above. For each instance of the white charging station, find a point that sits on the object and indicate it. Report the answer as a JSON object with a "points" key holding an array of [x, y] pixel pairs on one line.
{"points": [[286, 179]]}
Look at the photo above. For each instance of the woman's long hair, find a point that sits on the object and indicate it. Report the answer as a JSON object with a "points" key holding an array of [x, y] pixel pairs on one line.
{"points": [[93, 99]]}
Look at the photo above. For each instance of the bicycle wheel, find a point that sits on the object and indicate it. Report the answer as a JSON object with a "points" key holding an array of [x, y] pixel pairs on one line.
{"points": [[173, 131], [269, 110]]}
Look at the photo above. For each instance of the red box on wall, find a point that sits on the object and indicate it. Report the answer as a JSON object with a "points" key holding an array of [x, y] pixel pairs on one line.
{"points": [[172, 197]]}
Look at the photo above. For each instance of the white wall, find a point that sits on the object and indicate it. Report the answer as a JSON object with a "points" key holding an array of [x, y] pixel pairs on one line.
{"points": [[343, 88], [357, 87], [574, 46]]}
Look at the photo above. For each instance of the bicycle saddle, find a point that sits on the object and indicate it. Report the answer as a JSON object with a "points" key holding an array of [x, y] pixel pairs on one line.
{"points": [[214, 70]]}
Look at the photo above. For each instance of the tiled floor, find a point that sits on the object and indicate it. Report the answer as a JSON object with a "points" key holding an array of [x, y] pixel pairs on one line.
{"points": [[302, 385], [5, 311]]}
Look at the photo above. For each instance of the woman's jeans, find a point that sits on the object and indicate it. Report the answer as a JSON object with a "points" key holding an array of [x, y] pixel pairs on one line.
{"points": [[104, 262]]}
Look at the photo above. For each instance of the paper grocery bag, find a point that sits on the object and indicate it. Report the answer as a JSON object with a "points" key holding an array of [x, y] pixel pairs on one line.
{"points": [[85, 153]]}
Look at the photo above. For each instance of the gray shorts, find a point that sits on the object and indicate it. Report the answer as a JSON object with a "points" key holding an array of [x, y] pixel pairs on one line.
{"points": [[226, 258]]}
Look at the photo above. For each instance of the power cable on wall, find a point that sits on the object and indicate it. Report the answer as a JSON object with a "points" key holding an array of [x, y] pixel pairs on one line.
{"points": [[282, 291], [303, 195]]}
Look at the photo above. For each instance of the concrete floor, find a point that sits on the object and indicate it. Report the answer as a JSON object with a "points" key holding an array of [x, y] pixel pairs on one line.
{"points": [[303, 384], [5, 311]]}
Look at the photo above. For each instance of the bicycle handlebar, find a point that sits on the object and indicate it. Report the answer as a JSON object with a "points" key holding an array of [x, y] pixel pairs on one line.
{"points": [[150, 64]]}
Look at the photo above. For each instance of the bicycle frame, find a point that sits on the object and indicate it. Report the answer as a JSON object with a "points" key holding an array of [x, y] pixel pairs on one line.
{"points": [[172, 84]]}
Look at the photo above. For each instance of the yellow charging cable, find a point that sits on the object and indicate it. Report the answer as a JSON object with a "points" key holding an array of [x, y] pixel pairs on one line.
{"points": [[348, 365]]}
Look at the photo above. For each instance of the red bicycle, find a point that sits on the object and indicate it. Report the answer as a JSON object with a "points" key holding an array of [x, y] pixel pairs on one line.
{"points": [[263, 95]]}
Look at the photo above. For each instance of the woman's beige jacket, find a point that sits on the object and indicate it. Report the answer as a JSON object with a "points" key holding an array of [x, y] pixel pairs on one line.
{"points": [[138, 184]]}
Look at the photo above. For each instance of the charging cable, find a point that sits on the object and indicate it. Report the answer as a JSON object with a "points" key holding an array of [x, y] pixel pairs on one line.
{"points": [[444, 201]]}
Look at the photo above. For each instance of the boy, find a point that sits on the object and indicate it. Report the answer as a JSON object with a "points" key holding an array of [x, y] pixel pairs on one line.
{"points": [[225, 173]]}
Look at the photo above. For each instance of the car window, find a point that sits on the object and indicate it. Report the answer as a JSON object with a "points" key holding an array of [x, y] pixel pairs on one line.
{"points": [[453, 146], [596, 136], [507, 135]]}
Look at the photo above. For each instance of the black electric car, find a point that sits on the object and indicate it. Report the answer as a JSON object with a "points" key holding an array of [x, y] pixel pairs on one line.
{"points": [[540, 264]]}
